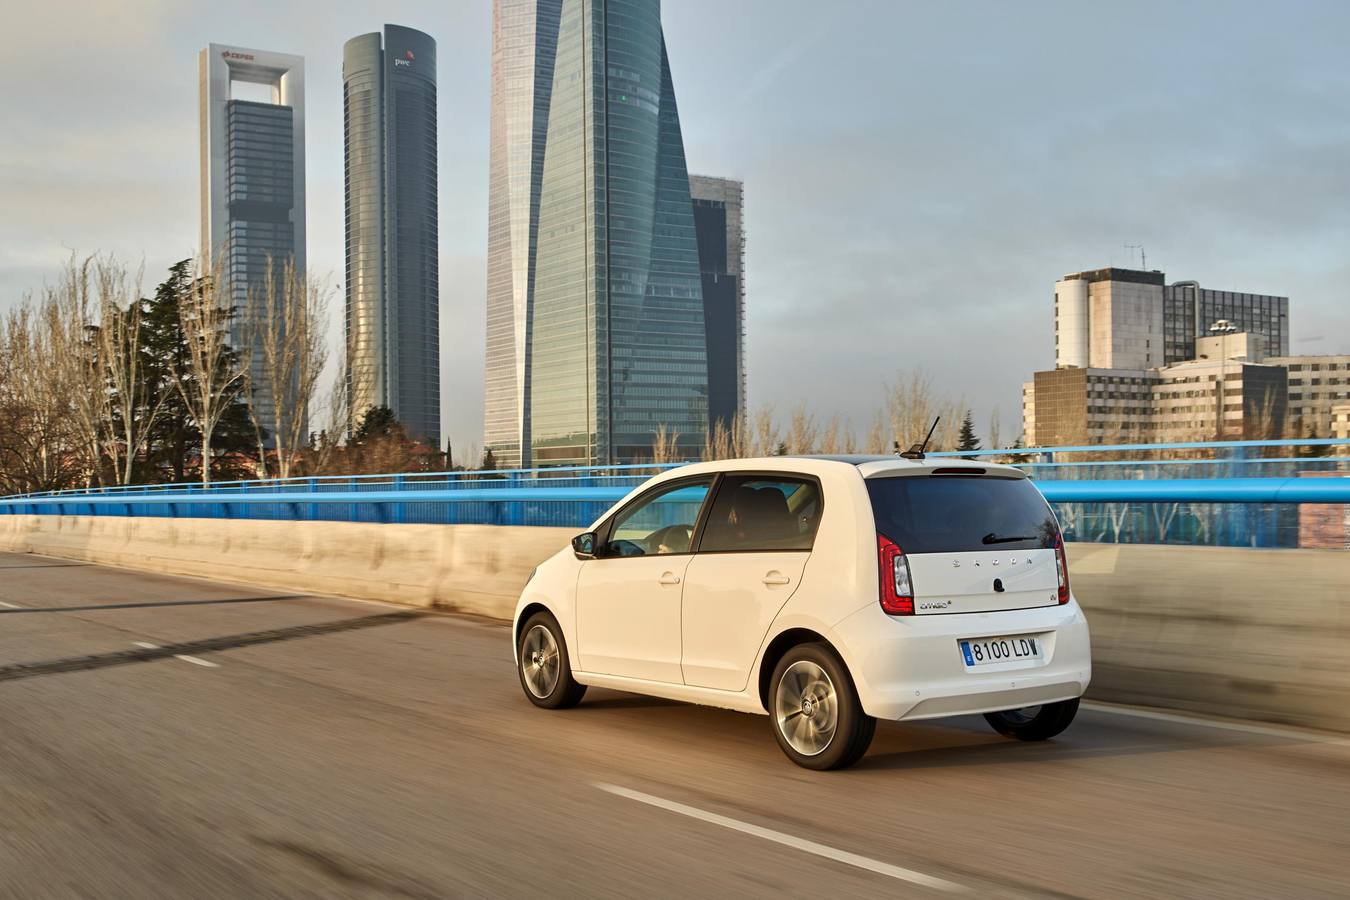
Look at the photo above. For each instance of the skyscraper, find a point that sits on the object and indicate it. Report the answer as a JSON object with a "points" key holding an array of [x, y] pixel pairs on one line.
{"points": [[524, 40], [393, 294], [252, 176], [719, 223], [596, 337]]}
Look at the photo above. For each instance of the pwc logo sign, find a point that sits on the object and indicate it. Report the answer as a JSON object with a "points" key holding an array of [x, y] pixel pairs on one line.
{"points": [[407, 59]]}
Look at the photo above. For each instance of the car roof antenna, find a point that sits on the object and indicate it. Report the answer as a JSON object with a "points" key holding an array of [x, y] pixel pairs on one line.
{"points": [[916, 450]]}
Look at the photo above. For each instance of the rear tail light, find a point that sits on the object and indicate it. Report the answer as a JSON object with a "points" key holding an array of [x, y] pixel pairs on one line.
{"points": [[1062, 568], [897, 594]]}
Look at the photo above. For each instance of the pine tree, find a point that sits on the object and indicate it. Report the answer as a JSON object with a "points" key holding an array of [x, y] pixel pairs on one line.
{"points": [[377, 421], [175, 438], [967, 440]]}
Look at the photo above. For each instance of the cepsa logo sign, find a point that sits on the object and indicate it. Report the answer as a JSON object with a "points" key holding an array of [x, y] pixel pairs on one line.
{"points": [[407, 59], [230, 54]]}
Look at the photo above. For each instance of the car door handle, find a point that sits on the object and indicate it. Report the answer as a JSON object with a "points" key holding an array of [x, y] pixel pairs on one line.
{"points": [[670, 578], [776, 577]]}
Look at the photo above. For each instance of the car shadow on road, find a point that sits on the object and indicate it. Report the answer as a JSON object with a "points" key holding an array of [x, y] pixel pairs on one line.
{"points": [[600, 699], [18, 671], [147, 604], [899, 746]]}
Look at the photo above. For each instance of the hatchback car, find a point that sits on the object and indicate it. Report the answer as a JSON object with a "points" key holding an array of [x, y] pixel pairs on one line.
{"points": [[825, 592]]}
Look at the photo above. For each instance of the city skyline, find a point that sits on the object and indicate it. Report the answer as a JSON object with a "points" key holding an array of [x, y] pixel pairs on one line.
{"points": [[901, 246]]}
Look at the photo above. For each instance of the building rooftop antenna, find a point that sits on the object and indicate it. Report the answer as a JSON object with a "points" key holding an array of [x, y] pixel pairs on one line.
{"points": [[1143, 259]]}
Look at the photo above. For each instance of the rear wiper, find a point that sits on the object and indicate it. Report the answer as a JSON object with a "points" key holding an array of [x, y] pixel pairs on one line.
{"points": [[992, 538]]}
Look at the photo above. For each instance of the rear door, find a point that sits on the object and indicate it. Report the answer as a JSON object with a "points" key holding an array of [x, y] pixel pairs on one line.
{"points": [[975, 542], [750, 560]]}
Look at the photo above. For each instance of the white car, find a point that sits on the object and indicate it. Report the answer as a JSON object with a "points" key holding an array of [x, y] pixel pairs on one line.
{"points": [[828, 592]]}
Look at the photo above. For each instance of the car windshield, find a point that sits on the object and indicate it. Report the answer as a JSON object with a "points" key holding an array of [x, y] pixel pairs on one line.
{"points": [[961, 514]]}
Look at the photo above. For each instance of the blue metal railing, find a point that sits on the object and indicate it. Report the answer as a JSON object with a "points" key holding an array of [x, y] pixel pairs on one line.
{"points": [[1236, 499]]}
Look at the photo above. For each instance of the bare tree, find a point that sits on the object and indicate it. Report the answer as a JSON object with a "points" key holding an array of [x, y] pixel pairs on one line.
{"points": [[802, 432], [286, 323], [831, 439], [130, 414], [995, 436], [74, 360], [911, 406], [727, 440], [665, 445], [215, 375], [40, 447], [765, 437], [717, 444]]}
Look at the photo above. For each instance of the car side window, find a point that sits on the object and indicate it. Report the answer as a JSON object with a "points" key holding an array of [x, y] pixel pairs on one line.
{"points": [[660, 523], [756, 512]]}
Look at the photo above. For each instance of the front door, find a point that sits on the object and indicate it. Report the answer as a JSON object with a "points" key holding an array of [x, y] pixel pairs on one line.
{"points": [[628, 598], [750, 561]]}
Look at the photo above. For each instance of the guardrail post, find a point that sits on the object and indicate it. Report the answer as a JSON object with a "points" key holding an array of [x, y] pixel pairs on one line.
{"points": [[513, 510], [398, 512]]}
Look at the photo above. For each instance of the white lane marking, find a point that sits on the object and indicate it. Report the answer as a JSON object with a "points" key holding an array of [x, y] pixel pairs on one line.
{"points": [[196, 661], [1314, 737], [787, 840], [10, 605]]}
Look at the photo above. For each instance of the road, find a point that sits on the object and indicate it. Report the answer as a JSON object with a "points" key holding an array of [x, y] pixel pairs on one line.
{"points": [[169, 737]]}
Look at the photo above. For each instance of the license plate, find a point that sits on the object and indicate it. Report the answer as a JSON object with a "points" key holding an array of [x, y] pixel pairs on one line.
{"points": [[995, 650]]}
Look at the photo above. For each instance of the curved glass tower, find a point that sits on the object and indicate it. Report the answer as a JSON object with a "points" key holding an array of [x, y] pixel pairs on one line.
{"points": [[393, 296], [611, 336]]}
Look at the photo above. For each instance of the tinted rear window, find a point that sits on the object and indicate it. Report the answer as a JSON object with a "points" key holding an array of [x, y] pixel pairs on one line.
{"points": [[955, 514]]}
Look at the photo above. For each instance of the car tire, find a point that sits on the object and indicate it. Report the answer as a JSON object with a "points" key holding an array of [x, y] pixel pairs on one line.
{"points": [[814, 709], [1034, 723], [543, 665]]}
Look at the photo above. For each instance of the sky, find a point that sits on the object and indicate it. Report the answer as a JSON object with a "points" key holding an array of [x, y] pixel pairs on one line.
{"points": [[917, 174]]}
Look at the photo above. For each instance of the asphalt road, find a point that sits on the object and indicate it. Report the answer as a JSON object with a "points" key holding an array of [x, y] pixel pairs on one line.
{"points": [[166, 737]]}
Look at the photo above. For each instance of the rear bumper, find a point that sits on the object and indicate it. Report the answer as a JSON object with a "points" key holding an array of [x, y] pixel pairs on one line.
{"points": [[910, 667]]}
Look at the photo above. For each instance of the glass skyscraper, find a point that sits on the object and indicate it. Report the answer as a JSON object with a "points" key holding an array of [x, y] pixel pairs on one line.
{"points": [[253, 180], [596, 336], [524, 39], [719, 205], [393, 293]]}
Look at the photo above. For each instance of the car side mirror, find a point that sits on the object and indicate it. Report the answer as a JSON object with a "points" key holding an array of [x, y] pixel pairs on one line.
{"points": [[583, 545]]}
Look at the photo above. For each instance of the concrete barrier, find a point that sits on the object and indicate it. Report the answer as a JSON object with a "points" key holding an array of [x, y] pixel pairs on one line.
{"points": [[1258, 634], [476, 569]]}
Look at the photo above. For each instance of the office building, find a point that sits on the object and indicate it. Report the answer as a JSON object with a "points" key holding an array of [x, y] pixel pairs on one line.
{"points": [[1131, 319], [1109, 319], [524, 40], [596, 338], [252, 178], [1138, 359], [393, 294], [1317, 386], [719, 226], [1190, 311], [1340, 426]]}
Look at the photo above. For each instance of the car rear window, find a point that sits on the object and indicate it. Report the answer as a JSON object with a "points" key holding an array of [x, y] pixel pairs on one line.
{"points": [[960, 514]]}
